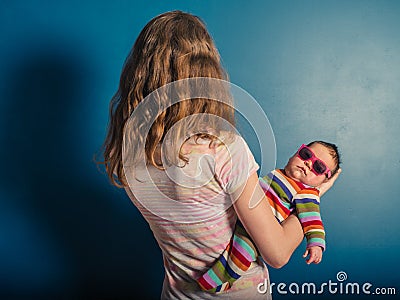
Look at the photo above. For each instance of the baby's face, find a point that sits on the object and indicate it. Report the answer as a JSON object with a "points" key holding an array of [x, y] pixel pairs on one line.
{"points": [[300, 170]]}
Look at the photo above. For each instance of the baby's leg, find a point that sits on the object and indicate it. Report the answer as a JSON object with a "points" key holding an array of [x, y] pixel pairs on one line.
{"points": [[232, 264]]}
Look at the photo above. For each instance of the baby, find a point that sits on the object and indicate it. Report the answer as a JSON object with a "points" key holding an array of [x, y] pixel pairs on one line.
{"points": [[293, 189]]}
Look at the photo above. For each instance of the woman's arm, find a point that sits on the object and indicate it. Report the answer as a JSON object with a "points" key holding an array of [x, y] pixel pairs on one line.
{"points": [[275, 242]]}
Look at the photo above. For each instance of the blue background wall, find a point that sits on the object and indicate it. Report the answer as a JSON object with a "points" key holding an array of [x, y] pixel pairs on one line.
{"points": [[320, 69]]}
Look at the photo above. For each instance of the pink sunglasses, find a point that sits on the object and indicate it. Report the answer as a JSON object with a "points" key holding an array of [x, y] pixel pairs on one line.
{"points": [[318, 166]]}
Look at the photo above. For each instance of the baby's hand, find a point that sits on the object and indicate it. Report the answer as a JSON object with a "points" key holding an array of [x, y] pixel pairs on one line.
{"points": [[315, 253]]}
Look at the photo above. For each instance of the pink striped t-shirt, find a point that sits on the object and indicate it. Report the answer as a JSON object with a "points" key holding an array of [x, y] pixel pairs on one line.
{"points": [[192, 218]]}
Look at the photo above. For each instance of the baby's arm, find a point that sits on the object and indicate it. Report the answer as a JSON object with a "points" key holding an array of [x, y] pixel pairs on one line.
{"points": [[307, 207], [315, 254]]}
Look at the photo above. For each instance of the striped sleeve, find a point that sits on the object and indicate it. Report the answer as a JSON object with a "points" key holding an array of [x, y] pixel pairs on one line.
{"points": [[307, 206]]}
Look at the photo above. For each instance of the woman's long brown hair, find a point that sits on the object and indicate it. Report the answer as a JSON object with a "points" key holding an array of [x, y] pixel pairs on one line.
{"points": [[172, 46]]}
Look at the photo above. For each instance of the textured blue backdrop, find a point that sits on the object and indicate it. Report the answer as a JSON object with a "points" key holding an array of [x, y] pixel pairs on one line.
{"points": [[320, 69]]}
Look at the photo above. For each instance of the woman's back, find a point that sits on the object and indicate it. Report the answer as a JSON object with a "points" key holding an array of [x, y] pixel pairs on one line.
{"points": [[192, 217]]}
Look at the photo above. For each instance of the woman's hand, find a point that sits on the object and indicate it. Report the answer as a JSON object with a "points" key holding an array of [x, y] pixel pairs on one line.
{"points": [[325, 186]]}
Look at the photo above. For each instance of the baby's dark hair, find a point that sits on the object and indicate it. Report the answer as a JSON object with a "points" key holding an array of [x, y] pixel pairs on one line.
{"points": [[334, 152]]}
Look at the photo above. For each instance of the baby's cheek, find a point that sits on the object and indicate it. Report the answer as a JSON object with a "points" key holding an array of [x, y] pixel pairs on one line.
{"points": [[315, 180]]}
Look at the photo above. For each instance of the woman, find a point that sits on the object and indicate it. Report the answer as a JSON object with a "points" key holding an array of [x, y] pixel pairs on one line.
{"points": [[182, 164]]}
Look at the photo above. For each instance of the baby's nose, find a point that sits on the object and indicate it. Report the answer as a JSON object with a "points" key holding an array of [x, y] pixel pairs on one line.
{"points": [[308, 163]]}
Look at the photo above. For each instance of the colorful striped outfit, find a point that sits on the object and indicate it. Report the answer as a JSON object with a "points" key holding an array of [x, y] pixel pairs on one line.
{"points": [[284, 195]]}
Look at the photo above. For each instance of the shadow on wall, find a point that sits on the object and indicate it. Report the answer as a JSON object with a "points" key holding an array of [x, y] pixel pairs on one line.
{"points": [[60, 235]]}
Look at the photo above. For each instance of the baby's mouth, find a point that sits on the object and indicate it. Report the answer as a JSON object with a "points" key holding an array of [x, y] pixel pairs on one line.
{"points": [[304, 170]]}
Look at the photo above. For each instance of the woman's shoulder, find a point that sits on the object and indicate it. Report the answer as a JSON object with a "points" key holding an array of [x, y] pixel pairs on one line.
{"points": [[223, 142], [232, 142]]}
